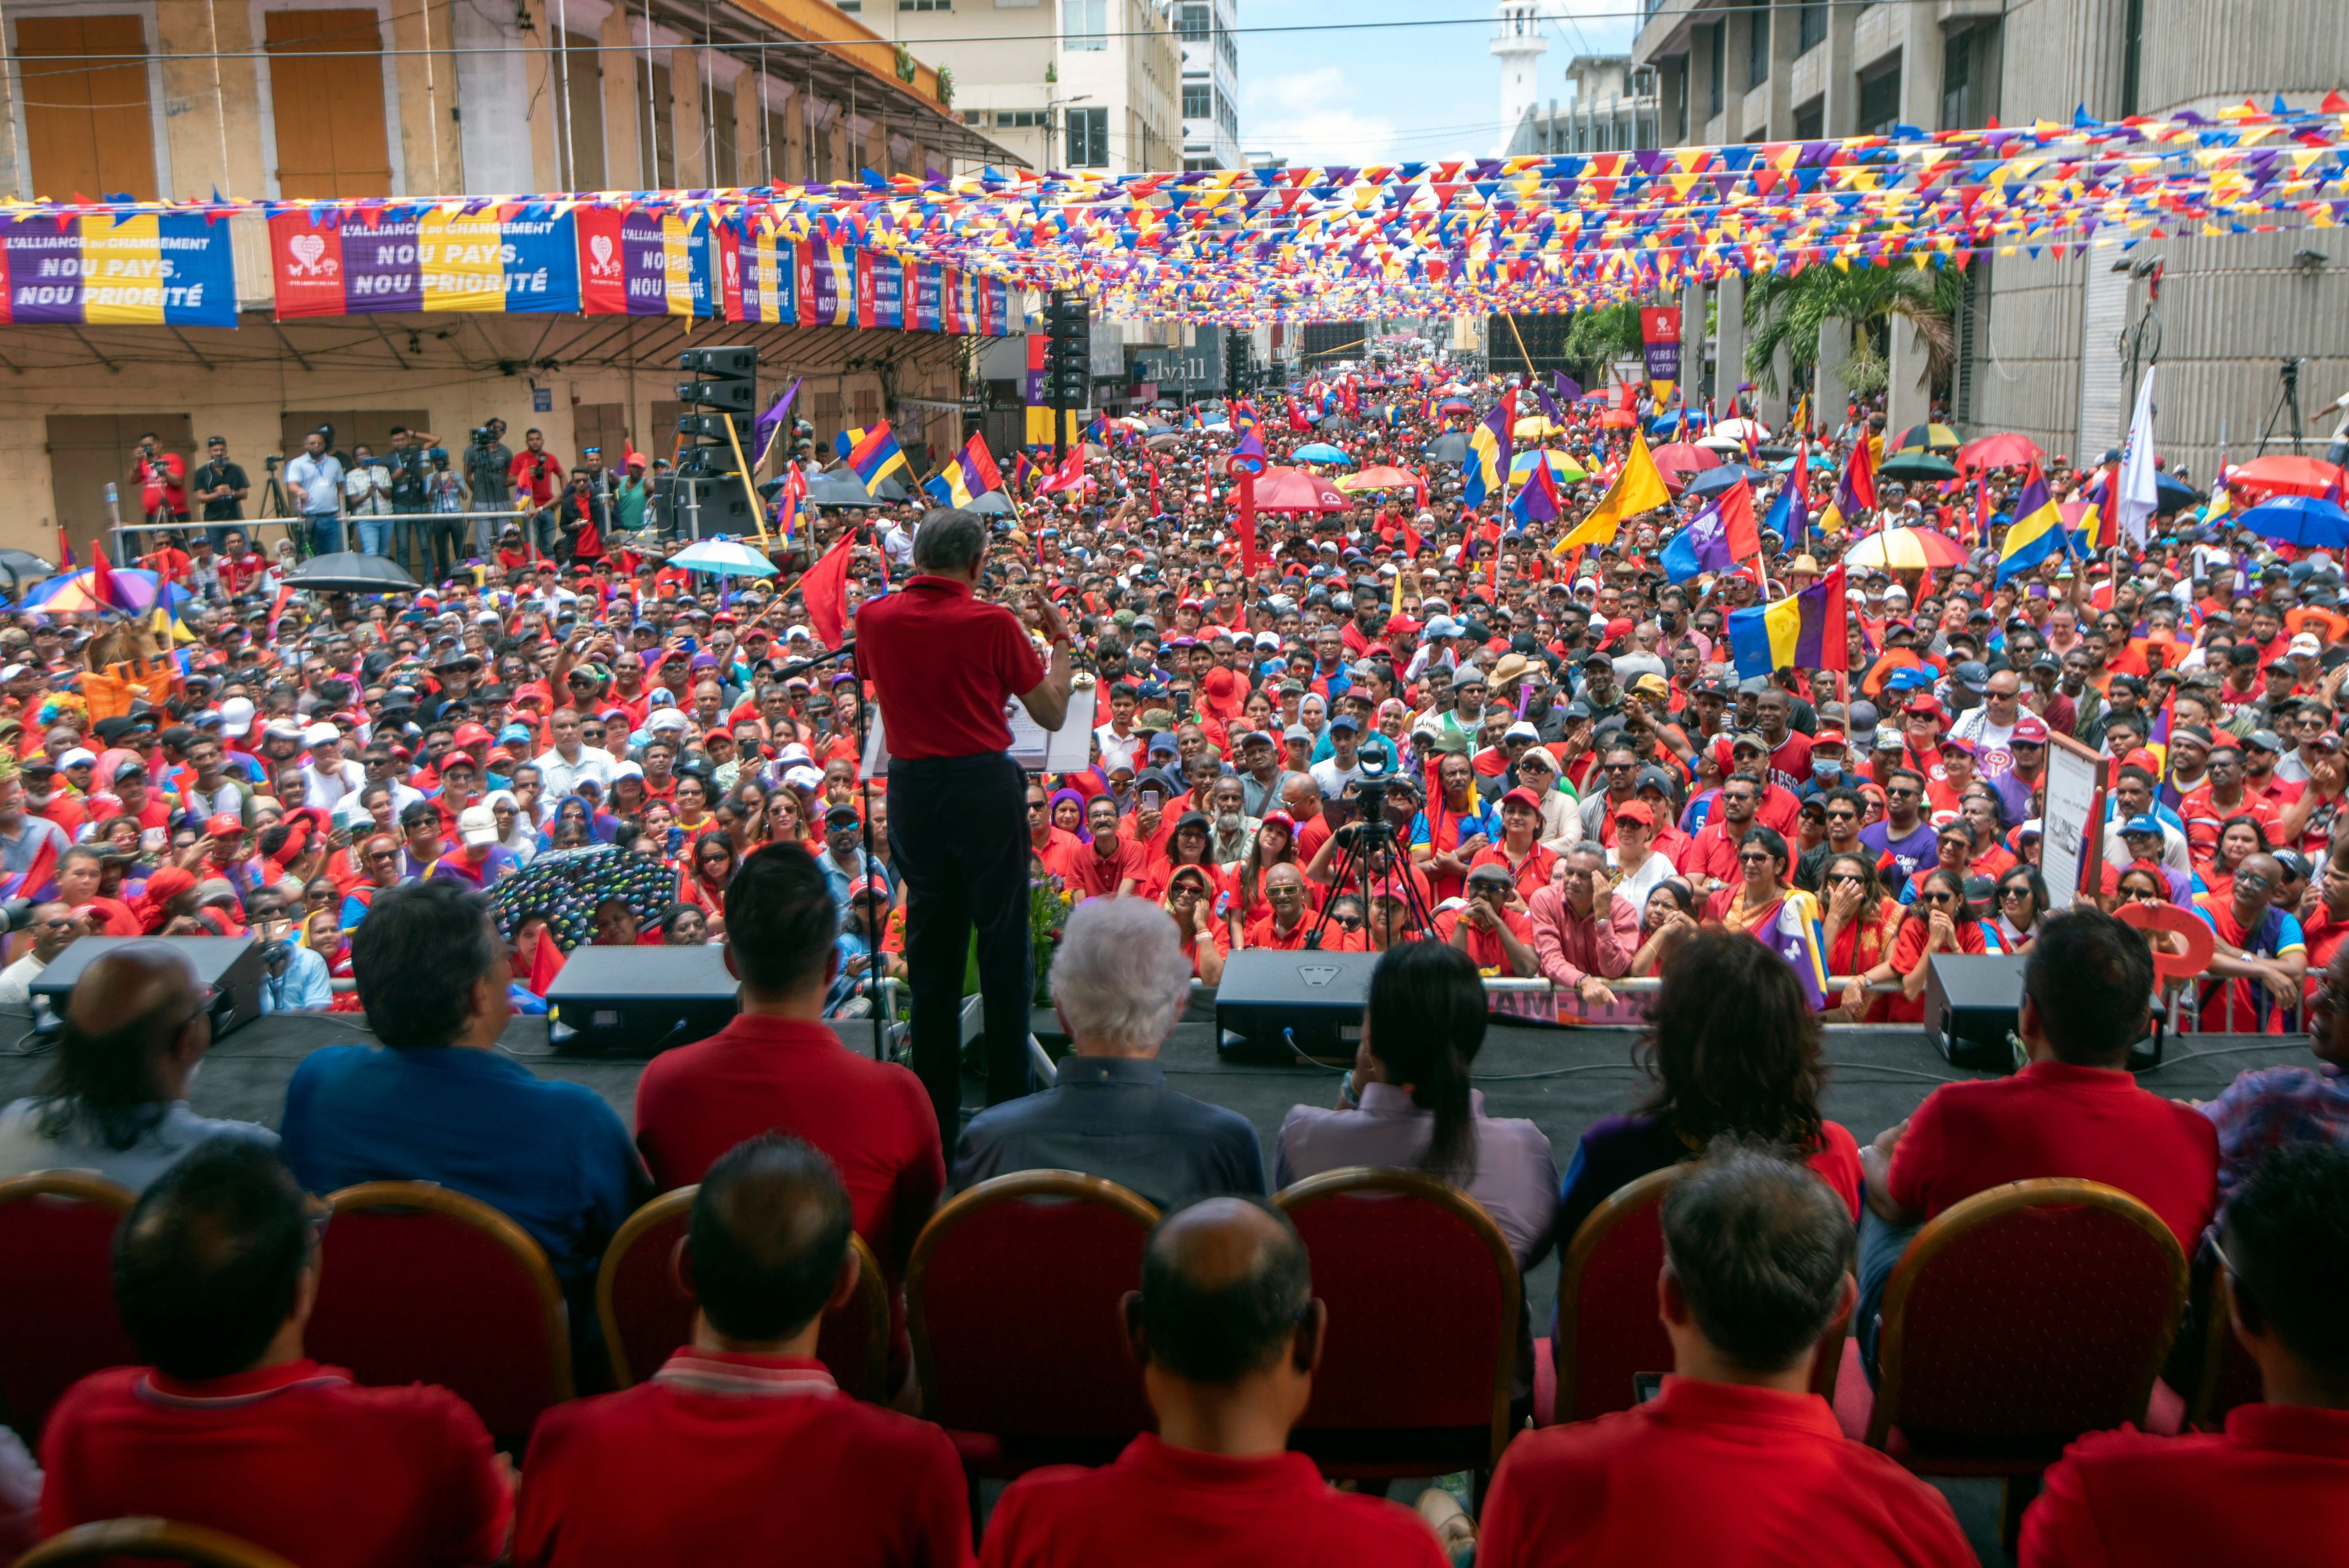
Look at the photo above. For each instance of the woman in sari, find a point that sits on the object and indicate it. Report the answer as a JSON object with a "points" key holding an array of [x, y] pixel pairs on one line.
{"points": [[1752, 904], [1858, 924], [1937, 923]]}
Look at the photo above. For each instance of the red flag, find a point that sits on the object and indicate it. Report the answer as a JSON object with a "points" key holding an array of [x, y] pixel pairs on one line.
{"points": [[546, 962], [39, 880], [1743, 536], [277, 608], [825, 590], [101, 574], [65, 550], [1070, 475], [1925, 586]]}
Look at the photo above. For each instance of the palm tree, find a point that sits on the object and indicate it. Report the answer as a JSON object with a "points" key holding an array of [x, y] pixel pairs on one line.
{"points": [[1597, 339], [1786, 312]]}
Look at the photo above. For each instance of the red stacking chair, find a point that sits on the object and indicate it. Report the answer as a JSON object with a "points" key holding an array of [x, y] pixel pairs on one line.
{"points": [[57, 1322], [646, 1312], [1013, 1299], [2017, 1320], [149, 1541], [418, 1283], [1405, 1260], [1609, 1330]]}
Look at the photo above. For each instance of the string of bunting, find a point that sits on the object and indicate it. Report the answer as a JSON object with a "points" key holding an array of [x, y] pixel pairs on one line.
{"points": [[1537, 233]]}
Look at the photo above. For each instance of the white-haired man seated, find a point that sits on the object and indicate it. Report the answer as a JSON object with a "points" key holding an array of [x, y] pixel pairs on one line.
{"points": [[1118, 983]]}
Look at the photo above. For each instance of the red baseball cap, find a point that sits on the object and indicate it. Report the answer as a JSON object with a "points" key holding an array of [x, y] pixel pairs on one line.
{"points": [[2030, 730], [1828, 738], [224, 825], [1636, 811], [1930, 706], [1522, 796], [473, 735]]}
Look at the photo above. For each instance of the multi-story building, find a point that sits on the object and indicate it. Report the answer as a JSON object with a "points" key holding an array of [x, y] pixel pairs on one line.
{"points": [[179, 99], [1211, 83], [1064, 84], [2040, 339], [1611, 107]]}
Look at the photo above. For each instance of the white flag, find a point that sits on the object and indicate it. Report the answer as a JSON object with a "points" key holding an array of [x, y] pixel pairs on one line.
{"points": [[2139, 495]]}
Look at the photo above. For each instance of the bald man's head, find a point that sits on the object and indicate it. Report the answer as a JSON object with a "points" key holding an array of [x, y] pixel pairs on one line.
{"points": [[1225, 1287], [134, 1025], [146, 984]]}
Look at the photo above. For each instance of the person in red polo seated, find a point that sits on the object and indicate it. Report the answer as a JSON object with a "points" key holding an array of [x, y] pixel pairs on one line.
{"points": [[229, 1425], [2073, 1112], [740, 1449], [779, 1067], [2274, 1488], [1284, 926], [1735, 1460], [1228, 1333]]}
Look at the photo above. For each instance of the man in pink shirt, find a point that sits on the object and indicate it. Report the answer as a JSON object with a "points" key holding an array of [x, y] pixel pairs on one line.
{"points": [[1585, 932]]}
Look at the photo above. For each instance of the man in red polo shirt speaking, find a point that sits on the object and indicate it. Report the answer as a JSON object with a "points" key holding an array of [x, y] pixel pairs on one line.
{"points": [[943, 663]]}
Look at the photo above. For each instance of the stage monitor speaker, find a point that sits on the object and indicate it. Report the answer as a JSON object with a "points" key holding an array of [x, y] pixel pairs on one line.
{"points": [[229, 965], [1973, 1004], [639, 1001], [1272, 1006]]}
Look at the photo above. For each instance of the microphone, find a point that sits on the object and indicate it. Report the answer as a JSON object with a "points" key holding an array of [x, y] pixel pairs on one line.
{"points": [[802, 666]]}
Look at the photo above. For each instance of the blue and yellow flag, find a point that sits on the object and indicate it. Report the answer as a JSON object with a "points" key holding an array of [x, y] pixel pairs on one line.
{"points": [[2037, 533], [871, 453], [969, 474], [1481, 470]]}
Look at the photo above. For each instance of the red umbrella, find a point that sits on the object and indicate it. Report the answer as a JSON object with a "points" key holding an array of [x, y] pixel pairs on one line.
{"points": [[1618, 419], [1293, 490], [2000, 451], [2283, 475], [1686, 457]]}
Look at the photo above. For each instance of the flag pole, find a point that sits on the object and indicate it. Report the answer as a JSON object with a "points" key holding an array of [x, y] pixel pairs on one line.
{"points": [[742, 470]]}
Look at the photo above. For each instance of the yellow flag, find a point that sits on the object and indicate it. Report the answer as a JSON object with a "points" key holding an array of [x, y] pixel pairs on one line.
{"points": [[1638, 488]]}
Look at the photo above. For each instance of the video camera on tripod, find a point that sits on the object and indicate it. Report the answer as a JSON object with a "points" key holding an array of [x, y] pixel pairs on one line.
{"points": [[1369, 848]]}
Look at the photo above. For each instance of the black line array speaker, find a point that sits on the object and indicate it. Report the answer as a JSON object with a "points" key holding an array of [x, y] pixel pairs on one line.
{"points": [[1973, 1005], [229, 965], [639, 1001]]}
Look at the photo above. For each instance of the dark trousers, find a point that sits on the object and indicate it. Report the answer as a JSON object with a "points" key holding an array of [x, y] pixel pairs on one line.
{"points": [[958, 837]]}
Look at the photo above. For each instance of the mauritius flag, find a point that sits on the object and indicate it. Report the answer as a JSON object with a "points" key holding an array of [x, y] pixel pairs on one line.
{"points": [[2037, 531], [871, 453], [1487, 461]]}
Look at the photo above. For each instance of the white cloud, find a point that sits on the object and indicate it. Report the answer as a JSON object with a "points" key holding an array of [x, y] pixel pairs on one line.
{"points": [[1304, 116]]}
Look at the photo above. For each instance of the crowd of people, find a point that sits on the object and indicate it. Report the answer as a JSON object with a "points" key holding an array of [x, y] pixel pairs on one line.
{"points": [[1580, 786]]}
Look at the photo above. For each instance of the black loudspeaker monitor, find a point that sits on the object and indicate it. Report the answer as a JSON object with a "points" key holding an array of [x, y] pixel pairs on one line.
{"points": [[1973, 1003], [1268, 1002], [639, 1001], [229, 965]]}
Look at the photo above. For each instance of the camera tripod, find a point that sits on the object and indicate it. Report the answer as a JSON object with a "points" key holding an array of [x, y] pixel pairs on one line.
{"points": [[1361, 844], [2287, 401]]}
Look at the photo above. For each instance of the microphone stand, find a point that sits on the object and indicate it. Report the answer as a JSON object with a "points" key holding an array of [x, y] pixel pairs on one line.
{"points": [[847, 650]]}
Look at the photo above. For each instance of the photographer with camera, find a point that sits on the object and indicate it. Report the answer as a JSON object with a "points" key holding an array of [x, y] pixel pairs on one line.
{"points": [[488, 464], [536, 473]]}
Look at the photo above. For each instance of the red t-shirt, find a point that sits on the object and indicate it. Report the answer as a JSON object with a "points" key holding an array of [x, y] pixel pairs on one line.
{"points": [[1618, 1490], [2055, 1119], [298, 1458], [1158, 1504], [942, 662], [1485, 949], [2274, 1490], [872, 1119], [721, 1458], [1096, 875], [1531, 875], [1261, 934], [533, 473]]}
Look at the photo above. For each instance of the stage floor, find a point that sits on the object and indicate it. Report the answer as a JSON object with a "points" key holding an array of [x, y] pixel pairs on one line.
{"points": [[1562, 1080]]}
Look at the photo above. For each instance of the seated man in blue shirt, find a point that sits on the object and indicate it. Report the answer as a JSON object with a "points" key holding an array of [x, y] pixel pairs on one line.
{"points": [[1119, 983], [437, 1101]]}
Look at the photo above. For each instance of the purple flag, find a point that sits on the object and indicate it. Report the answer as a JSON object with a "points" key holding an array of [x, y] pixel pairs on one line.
{"points": [[762, 433]]}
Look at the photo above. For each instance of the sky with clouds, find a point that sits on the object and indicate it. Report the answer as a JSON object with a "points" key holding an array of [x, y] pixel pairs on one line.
{"points": [[1395, 94]]}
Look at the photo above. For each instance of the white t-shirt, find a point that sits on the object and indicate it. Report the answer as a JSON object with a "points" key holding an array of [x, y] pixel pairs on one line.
{"points": [[17, 981], [324, 789], [1642, 882]]}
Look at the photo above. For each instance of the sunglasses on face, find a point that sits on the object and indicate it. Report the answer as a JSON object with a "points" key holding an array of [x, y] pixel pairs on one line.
{"points": [[1852, 878], [1755, 857]]}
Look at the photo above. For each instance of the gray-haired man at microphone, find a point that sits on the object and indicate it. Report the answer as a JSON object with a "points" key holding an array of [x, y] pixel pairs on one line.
{"points": [[942, 662]]}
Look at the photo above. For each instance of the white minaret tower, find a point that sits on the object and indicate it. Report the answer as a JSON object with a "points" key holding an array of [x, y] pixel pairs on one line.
{"points": [[1518, 41]]}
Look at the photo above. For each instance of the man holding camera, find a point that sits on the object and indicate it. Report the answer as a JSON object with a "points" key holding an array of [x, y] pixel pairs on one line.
{"points": [[405, 464], [220, 486], [487, 466], [536, 472]]}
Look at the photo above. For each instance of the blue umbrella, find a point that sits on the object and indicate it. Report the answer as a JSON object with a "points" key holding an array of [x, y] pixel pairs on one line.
{"points": [[1320, 451], [2308, 521], [2172, 494], [1671, 422], [1713, 480]]}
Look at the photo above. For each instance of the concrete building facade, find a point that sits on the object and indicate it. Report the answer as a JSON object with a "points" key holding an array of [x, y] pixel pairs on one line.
{"points": [[179, 99], [1062, 84], [1211, 83], [2040, 339], [1611, 107]]}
